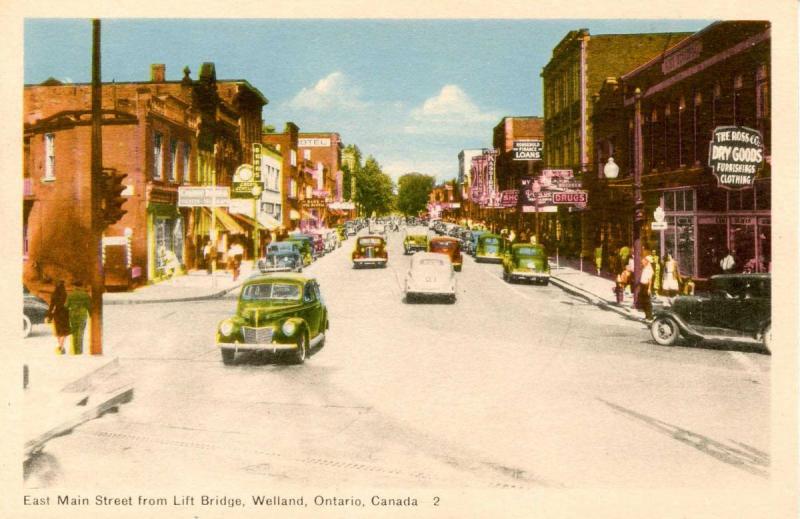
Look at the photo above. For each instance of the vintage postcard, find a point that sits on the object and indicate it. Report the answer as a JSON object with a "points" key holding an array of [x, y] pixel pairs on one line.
{"points": [[335, 260]]}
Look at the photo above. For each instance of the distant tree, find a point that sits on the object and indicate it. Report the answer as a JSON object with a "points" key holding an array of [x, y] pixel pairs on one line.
{"points": [[413, 193], [268, 128], [374, 189], [351, 164]]}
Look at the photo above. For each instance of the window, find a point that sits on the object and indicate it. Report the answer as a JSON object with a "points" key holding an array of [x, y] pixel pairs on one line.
{"points": [[172, 169], [185, 171], [49, 156], [293, 158], [158, 144], [307, 154]]}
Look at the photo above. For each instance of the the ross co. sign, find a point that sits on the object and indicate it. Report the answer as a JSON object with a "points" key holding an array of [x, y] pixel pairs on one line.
{"points": [[735, 155]]}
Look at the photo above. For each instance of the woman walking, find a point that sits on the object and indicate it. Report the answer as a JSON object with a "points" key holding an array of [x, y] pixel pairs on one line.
{"points": [[672, 276], [78, 304], [59, 315]]}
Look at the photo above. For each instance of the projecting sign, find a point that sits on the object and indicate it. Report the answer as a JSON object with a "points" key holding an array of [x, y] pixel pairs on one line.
{"points": [[527, 150], [570, 197], [659, 223], [245, 184], [735, 156], [257, 161], [191, 196]]}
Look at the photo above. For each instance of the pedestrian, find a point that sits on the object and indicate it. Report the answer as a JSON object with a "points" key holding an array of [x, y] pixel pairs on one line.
{"points": [[672, 276], [78, 303], [207, 248], [655, 262], [645, 289], [235, 254], [598, 258], [728, 263], [623, 280], [58, 314], [511, 236], [624, 255]]}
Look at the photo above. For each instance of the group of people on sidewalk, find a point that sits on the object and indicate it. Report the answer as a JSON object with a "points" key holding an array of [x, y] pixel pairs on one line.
{"points": [[658, 276], [69, 313], [234, 258]]}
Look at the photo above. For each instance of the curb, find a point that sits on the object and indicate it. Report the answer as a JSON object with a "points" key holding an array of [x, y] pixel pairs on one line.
{"points": [[595, 300], [214, 295]]}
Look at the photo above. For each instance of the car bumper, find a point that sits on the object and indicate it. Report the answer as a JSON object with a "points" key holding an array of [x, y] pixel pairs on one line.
{"points": [[268, 347], [488, 259], [521, 274], [415, 248], [370, 261]]}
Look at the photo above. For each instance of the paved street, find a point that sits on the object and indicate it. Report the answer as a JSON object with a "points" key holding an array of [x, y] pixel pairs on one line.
{"points": [[513, 385]]}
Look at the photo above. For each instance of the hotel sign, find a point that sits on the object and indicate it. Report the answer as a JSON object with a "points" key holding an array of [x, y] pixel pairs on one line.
{"points": [[735, 155], [313, 142]]}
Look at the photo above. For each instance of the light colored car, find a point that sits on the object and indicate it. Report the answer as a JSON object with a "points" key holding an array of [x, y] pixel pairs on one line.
{"points": [[432, 275]]}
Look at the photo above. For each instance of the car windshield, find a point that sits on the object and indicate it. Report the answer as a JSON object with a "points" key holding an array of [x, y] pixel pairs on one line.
{"points": [[529, 251], [491, 241], [369, 241], [271, 292]]}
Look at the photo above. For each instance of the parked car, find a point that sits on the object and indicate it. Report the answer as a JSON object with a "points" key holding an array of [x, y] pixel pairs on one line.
{"points": [[430, 274], [526, 262], [378, 229], [737, 310], [489, 248], [275, 313], [34, 310], [450, 247], [473, 240], [341, 231], [370, 250], [282, 256], [415, 240], [306, 246]]}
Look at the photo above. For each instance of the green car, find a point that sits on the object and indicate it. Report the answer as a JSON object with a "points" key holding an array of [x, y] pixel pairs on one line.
{"points": [[490, 248], [276, 313], [526, 262], [416, 239], [306, 248]]}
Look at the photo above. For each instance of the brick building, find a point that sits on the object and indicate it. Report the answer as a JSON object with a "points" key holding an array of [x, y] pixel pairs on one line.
{"points": [[511, 168], [296, 175], [579, 65], [324, 151], [161, 134], [717, 77]]}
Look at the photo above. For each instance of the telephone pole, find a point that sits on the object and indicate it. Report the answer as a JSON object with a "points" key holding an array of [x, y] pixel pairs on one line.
{"points": [[97, 225]]}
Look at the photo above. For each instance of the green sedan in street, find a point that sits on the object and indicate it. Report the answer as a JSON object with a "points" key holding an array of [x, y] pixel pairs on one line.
{"points": [[526, 262], [490, 248], [276, 313]]}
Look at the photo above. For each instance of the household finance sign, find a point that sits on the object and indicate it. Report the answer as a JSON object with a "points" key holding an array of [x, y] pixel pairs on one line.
{"points": [[735, 155]]}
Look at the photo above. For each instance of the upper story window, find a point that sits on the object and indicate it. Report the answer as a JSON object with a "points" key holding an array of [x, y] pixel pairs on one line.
{"points": [[293, 158], [158, 162], [49, 156], [185, 171], [172, 169], [307, 154]]}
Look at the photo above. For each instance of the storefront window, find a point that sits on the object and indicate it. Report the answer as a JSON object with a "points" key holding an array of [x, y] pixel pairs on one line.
{"points": [[712, 199], [711, 244], [741, 200], [763, 201], [742, 236], [764, 245]]}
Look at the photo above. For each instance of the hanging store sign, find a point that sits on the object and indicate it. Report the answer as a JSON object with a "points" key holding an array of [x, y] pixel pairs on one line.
{"points": [[527, 149], [571, 197], [191, 196], [257, 161], [314, 203], [509, 198], [244, 184], [735, 155]]}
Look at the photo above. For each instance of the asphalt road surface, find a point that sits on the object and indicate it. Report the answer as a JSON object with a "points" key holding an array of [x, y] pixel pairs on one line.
{"points": [[515, 386]]}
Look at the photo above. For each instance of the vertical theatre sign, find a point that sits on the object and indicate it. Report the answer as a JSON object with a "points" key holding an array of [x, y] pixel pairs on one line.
{"points": [[735, 155]]}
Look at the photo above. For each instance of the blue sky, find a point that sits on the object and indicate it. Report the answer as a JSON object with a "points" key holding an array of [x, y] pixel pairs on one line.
{"points": [[412, 93]]}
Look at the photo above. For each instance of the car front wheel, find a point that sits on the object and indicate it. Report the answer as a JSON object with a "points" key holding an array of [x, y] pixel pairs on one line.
{"points": [[299, 354], [26, 325], [665, 331], [767, 338]]}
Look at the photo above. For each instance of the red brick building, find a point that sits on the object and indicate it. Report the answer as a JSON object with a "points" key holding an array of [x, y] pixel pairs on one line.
{"points": [[324, 151], [161, 134], [296, 175], [718, 77]]}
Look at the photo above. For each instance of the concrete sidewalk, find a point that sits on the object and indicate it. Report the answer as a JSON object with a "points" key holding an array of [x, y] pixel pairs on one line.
{"points": [[598, 290], [196, 285]]}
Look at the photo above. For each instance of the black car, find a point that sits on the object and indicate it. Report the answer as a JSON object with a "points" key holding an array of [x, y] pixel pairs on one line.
{"points": [[282, 256], [34, 311], [737, 310]]}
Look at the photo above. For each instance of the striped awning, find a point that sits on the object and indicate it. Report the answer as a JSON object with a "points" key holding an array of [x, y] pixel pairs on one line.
{"points": [[225, 220]]}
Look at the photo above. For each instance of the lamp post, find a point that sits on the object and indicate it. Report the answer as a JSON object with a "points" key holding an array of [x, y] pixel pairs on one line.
{"points": [[611, 170]]}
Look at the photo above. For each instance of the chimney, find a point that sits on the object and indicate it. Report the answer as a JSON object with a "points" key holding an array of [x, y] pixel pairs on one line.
{"points": [[157, 72]]}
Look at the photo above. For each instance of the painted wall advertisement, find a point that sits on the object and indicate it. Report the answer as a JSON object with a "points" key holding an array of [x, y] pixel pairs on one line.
{"points": [[735, 155]]}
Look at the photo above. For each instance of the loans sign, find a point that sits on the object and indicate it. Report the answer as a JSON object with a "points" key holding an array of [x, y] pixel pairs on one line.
{"points": [[735, 155], [528, 149]]}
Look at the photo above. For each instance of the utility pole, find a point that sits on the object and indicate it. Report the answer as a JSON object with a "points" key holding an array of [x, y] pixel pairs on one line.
{"points": [[97, 225]]}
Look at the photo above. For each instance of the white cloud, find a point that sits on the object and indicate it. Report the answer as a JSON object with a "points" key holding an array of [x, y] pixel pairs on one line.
{"points": [[450, 111], [334, 91]]}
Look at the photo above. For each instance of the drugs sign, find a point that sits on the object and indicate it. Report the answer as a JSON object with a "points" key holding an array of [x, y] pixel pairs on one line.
{"points": [[571, 197], [735, 156]]}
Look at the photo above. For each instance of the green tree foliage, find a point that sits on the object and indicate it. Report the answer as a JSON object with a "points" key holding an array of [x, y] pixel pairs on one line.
{"points": [[374, 189], [414, 190], [351, 164]]}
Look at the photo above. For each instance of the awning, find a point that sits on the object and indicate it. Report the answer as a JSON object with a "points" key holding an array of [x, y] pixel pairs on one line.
{"points": [[268, 221], [294, 215], [225, 220]]}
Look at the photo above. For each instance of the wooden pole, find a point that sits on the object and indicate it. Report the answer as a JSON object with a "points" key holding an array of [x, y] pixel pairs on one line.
{"points": [[97, 281]]}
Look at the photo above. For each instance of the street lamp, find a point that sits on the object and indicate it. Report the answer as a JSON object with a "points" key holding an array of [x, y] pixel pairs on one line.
{"points": [[611, 170]]}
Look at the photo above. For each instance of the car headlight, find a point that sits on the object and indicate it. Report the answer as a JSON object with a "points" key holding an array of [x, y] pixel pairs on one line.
{"points": [[289, 327], [226, 328]]}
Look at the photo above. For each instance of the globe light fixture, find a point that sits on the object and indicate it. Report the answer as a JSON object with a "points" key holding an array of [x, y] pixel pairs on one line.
{"points": [[611, 170]]}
